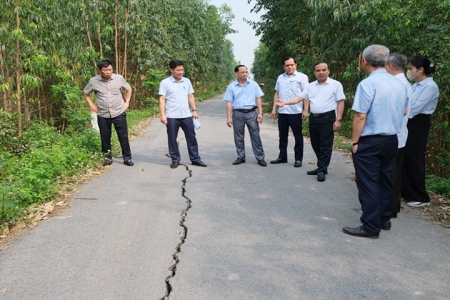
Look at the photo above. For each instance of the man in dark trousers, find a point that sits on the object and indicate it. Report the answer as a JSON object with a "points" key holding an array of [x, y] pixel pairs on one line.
{"points": [[178, 109], [289, 85], [325, 97], [110, 107], [379, 105]]}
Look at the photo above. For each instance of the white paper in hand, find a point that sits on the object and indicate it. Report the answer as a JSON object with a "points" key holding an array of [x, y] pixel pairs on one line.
{"points": [[197, 124]]}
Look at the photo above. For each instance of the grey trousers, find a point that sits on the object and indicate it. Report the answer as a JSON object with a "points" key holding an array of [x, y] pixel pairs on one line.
{"points": [[240, 119]]}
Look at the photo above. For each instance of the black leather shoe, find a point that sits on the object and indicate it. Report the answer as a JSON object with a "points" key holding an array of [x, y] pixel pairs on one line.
{"points": [[108, 161], [386, 225], [262, 163], [128, 162], [314, 172], [278, 161], [358, 231], [321, 176], [297, 164], [174, 164], [199, 163], [239, 161]]}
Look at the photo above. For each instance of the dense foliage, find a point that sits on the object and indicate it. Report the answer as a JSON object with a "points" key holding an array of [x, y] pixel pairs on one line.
{"points": [[48, 51], [337, 32]]}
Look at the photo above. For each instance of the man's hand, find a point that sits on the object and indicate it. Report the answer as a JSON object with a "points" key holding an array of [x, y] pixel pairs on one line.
{"points": [[126, 105], [163, 119], [273, 115], [195, 114], [93, 108], [260, 118], [336, 125], [305, 115], [279, 103], [229, 122]]}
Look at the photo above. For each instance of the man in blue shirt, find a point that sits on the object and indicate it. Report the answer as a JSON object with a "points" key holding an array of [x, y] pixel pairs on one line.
{"points": [[244, 107], [176, 95], [379, 105]]}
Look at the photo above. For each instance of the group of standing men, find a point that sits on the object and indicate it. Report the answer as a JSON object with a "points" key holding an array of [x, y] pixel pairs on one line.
{"points": [[324, 97], [381, 105]]}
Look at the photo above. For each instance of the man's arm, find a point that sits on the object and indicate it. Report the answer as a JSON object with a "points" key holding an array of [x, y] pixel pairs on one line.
{"points": [[229, 111], [339, 113], [260, 111], [273, 114], [359, 121], [291, 101], [127, 98], [92, 106], [305, 109], [162, 109], [191, 100]]}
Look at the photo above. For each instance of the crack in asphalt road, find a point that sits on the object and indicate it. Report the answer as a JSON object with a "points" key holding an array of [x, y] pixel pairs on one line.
{"points": [[173, 267]]}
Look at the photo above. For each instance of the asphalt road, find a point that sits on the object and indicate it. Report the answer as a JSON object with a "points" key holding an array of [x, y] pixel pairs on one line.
{"points": [[223, 232]]}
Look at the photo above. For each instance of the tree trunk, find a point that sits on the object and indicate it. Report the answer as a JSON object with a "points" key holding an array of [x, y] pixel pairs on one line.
{"points": [[19, 108], [116, 36]]}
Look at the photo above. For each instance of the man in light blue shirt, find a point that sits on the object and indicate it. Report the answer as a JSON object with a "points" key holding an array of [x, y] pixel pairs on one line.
{"points": [[289, 85], [379, 105], [176, 95], [244, 107]]}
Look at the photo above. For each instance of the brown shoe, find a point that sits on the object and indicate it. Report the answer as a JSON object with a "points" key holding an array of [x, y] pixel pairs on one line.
{"points": [[262, 163], [358, 231], [239, 161], [386, 225]]}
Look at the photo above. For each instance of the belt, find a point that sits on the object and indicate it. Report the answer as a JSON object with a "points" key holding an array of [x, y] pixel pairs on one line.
{"points": [[245, 110], [331, 112]]}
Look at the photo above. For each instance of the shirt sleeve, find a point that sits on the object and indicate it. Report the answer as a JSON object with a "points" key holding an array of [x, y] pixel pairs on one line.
{"points": [[426, 95], [339, 92], [363, 98], [89, 88], [228, 94], [162, 89]]}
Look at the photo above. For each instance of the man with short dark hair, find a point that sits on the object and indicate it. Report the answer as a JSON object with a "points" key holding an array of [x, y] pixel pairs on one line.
{"points": [[244, 107], [289, 85], [325, 97], [379, 104], [110, 107], [176, 95]]}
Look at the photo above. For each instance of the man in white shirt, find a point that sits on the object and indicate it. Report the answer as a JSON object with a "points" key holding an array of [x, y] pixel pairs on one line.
{"points": [[325, 98], [396, 65]]}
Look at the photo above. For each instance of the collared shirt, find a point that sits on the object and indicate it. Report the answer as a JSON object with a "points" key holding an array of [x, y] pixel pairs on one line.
{"points": [[383, 98], [243, 96], [177, 97], [425, 96], [403, 134], [108, 94], [289, 87], [323, 97]]}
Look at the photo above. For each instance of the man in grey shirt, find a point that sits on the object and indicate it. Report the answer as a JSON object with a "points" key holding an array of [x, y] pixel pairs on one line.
{"points": [[110, 106]]}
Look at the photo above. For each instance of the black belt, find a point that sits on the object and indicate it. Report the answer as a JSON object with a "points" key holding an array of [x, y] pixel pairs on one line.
{"points": [[245, 110], [323, 114]]}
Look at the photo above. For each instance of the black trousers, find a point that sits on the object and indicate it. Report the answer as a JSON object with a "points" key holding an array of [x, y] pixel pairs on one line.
{"points": [[121, 127], [374, 164], [398, 180], [295, 122], [413, 188], [322, 135], [187, 125]]}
